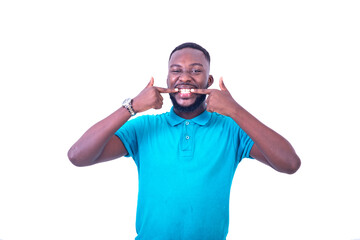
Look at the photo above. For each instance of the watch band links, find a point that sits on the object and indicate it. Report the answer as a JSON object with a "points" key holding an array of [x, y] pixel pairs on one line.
{"points": [[130, 109]]}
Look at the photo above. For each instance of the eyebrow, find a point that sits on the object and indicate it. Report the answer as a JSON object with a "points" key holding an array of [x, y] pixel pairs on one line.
{"points": [[193, 64], [196, 64]]}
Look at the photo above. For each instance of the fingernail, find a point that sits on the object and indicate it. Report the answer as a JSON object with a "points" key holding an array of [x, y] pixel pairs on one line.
{"points": [[176, 89], [192, 90]]}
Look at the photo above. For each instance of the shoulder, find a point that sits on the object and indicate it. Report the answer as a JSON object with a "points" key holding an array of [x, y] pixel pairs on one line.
{"points": [[217, 118], [224, 124], [148, 119], [141, 124]]}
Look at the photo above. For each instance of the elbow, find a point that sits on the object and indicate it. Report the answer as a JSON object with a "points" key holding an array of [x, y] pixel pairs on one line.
{"points": [[74, 158], [293, 165]]}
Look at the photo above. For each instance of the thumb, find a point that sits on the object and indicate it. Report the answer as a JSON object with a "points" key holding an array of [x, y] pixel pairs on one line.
{"points": [[151, 83], [222, 85]]}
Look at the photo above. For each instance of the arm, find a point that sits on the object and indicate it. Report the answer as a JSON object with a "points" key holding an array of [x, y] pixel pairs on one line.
{"points": [[99, 144], [269, 147]]}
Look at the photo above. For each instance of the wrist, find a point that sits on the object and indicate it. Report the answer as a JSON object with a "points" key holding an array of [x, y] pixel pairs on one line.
{"points": [[135, 105], [235, 110], [127, 104]]}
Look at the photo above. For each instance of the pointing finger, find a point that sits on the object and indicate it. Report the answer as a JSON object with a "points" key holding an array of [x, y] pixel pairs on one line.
{"points": [[166, 90], [201, 91]]}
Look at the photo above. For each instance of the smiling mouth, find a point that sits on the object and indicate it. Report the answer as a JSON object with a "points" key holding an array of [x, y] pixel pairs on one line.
{"points": [[184, 90]]}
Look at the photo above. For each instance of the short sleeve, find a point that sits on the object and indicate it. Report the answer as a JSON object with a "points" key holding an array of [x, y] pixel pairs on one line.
{"points": [[129, 134], [244, 144]]}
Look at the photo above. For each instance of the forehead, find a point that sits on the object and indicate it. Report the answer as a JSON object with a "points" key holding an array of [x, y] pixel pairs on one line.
{"points": [[188, 56]]}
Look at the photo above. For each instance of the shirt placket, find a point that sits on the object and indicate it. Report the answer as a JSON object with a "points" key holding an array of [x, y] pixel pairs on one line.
{"points": [[187, 139]]}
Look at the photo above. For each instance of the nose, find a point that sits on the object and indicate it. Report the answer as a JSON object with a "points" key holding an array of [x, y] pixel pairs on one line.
{"points": [[185, 76]]}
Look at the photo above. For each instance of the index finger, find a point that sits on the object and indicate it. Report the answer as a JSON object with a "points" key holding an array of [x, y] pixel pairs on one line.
{"points": [[201, 91], [166, 90]]}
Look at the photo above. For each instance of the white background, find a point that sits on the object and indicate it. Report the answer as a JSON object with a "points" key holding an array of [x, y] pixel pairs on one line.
{"points": [[64, 65]]}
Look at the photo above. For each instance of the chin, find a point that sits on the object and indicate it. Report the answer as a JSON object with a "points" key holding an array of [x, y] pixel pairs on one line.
{"points": [[187, 105], [185, 102]]}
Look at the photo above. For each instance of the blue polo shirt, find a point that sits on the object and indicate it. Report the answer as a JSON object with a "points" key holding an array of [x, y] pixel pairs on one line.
{"points": [[185, 170]]}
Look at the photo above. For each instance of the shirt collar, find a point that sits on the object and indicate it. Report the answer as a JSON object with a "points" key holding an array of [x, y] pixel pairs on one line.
{"points": [[174, 119]]}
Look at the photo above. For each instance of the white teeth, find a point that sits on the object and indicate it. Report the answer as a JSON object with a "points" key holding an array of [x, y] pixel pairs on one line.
{"points": [[185, 90]]}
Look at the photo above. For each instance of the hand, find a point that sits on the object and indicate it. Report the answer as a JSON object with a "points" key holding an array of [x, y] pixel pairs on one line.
{"points": [[219, 101], [150, 97]]}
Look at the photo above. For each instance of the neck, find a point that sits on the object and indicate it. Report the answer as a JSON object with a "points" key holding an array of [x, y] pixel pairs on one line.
{"points": [[193, 114]]}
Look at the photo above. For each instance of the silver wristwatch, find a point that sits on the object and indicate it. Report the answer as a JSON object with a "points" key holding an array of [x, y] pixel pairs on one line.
{"points": [[127, 104]]}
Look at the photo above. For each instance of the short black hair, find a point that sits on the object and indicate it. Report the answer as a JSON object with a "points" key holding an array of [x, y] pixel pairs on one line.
{"points": [[194, 46]]}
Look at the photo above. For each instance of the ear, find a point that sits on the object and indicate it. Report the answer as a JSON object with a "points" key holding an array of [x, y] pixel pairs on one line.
{"points": [[210, 81]]}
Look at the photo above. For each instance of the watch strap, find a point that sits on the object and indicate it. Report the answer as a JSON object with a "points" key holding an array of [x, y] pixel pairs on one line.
{"points": [[128, 106]]}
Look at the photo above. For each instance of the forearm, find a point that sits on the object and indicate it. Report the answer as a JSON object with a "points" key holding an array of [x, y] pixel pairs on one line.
{"points": [[276, 150], [91, 144]]}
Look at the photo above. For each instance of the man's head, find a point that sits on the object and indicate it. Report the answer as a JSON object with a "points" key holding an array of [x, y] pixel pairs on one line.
{"points": [[193, 46], [189, 67]]}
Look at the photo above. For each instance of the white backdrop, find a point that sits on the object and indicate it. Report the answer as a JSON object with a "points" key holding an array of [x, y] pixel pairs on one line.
{"points": [[64, 65]]}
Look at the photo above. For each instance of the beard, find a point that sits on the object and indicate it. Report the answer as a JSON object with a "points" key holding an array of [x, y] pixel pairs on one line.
{"points": [[198, 101]]}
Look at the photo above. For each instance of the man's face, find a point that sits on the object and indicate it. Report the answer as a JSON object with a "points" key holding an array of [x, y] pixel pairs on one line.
{"points": [[188, 69]]}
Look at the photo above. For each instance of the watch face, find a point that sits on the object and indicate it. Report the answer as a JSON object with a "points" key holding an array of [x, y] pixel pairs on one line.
{"points": [[127, 101]]}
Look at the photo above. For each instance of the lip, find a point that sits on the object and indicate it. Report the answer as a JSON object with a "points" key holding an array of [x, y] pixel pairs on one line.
{"points": [[187, 90], [185, 86]]}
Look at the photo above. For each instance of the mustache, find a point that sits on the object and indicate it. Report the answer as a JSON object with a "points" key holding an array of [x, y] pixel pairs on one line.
{"points": [[184, 84]]}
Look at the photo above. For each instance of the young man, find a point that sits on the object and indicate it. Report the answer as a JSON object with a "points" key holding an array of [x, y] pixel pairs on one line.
{"points": [[186, 158]]}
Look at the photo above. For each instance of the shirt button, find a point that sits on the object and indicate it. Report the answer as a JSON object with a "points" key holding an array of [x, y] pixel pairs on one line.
{"points": [[187, 123], [187, 137]]}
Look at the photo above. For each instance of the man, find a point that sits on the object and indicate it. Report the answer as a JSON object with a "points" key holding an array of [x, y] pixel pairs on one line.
{"points": [[186, 158]]}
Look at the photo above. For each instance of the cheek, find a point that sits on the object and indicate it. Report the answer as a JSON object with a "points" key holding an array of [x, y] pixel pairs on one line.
{"points": [[205, 84], [171, 81]]}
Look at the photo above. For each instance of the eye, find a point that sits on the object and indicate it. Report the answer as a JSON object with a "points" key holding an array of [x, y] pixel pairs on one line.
{"points": [[196, 71], [176, 71]]}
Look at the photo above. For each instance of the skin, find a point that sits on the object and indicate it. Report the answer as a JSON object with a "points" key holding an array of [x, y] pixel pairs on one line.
{"points": [[188, 68]]}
